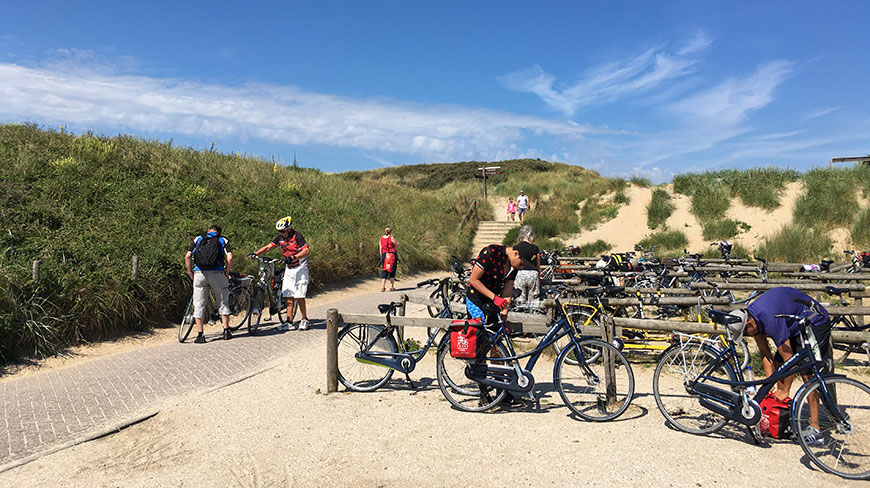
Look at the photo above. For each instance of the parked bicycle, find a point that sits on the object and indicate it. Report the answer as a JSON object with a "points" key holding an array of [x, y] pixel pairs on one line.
{"points": [[267, 293], [368, 354], [699, 388], [846, 322], [239, 303], [454, 291], [593, 378]]}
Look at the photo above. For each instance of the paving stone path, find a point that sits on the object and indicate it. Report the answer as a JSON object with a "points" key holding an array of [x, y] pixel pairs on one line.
{"points": [[43, 411]]}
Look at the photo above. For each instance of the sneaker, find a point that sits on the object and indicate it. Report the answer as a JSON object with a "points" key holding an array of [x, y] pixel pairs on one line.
{"points": [[227, 335], [200, 339], [303, 324], [812, 436], [285, 326]]}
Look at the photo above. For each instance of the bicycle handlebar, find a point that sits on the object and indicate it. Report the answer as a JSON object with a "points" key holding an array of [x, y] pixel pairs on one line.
{"points": [[427, 282]]}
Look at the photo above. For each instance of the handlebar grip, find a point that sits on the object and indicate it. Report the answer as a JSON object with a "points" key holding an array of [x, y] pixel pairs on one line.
{"points": [[424, 283], [803, 302]]}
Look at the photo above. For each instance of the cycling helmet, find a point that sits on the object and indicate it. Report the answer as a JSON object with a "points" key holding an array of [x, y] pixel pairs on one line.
{"points": [[284, 224]]}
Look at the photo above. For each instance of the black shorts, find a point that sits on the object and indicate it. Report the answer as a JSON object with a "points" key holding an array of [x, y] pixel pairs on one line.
{"points": [[823, 337]]}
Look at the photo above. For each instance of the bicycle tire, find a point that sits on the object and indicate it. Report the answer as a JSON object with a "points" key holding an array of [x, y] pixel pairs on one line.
{"points": [[187, 322], [463, 393], [843, 450], [256, 304], [240, 307], [357, 375], [587, 393], [580, 318], [435, 310], [677, 366]]}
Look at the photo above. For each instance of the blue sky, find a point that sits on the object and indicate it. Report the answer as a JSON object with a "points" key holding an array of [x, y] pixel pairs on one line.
{"points": [[647, 88]]}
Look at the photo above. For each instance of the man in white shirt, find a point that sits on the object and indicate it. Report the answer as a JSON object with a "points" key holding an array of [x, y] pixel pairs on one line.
{"points": [[522, 204]]}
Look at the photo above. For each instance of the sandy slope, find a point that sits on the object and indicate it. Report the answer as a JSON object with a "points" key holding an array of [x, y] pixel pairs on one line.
{"points": [[629, 227]]}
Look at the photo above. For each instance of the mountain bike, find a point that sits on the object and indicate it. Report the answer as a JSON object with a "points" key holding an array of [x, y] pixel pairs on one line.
{"points": [[592, 376], [267, 289], [239, 303], [699, 389], [369, 354]]}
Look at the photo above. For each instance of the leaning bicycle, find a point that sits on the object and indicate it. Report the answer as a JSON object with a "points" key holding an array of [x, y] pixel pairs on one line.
{"points": [[699, 388], [267, 293]]}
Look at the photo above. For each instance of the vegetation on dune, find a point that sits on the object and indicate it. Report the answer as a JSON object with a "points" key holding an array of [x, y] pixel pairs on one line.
{"points": [[659, 209], [829, 200], [83, 205], [667, 242], [595, 248], [796, 243]]}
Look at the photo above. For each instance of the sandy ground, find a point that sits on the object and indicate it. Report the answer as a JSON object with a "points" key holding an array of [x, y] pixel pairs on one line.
{"points": [[629, 227], [279, 429]]}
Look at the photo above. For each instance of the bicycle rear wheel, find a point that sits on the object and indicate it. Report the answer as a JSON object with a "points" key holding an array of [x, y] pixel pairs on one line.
{"points": [[240, 306], [187, 322], [461, 392], [677, 367], [591, 388], [358, 374], [840, 441]]}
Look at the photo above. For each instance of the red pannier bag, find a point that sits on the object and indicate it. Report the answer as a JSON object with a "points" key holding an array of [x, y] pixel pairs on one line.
{"points": [[463, 338], [776, 417], [389, 262]]}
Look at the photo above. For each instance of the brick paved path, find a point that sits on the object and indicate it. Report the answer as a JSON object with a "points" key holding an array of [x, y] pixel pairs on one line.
{"points": [[46, 410]]}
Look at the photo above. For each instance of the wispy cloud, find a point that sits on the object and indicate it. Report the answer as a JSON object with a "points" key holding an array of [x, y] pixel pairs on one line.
{"points": [[612, 81], [70, 94], [820, 113]]}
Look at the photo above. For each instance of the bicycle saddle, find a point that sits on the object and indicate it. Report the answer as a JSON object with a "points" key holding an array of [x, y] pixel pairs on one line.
{"points": [[235, 274], [833, 290], [386, 307], [723, 318]]}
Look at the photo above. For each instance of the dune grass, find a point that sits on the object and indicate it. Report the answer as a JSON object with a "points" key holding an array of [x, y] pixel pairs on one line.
{"points": [[659, 209], [595, 248], [829, 200], [796, 243], [84, 204], [666, 241]]}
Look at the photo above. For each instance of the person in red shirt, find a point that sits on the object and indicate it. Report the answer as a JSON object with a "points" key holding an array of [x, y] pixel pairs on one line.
{"points": [[387, 246], [295, 284], [492, 281]]}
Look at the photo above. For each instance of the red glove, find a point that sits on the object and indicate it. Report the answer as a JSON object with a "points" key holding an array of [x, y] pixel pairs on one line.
{"points": [[500, 302]]}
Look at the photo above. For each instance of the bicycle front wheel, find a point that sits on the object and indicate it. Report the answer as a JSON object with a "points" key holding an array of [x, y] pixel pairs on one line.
{"points": [[461, 392], [358, 374], [435, 310], [240, 306], [598, 389], [678, 366], [838, 439], [187, 322]]}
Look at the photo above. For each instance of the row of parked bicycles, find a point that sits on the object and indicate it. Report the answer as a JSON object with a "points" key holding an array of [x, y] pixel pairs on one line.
{"points": [[700, 383]]}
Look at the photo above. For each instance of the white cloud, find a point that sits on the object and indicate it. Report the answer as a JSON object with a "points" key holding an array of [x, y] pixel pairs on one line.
{"points": [[272, 113], [821, 112], [612, 81]]}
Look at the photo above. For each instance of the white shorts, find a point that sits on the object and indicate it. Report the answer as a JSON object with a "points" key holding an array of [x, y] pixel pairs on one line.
{"points": [[295, 284]]}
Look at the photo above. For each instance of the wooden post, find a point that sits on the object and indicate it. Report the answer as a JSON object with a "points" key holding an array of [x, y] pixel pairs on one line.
{"points": [[36, 264], [360, 248], [401, 313], [135, 267], [609, 363], [332, 319]]}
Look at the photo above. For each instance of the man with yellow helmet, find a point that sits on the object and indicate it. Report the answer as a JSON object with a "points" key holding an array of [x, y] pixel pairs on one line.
{"points": [[295, 285]]}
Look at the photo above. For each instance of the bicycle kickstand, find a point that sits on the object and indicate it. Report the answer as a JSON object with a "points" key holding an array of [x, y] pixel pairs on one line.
{"points": [[408, 378], [753, 434]]}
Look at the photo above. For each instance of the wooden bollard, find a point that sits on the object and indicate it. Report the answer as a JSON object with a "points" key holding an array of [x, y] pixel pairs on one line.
{"points": [[36, 264], [332, 350], [135, 272], [401, 313], [609, 361], [360, 248]]}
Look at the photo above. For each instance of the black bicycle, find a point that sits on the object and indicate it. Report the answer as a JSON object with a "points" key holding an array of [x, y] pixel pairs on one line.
{"points": [[267, 293], [849, 323], [239, 303], [699, 388], [454, 291]]}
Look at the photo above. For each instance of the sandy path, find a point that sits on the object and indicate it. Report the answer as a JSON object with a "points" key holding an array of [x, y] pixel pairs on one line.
{"points": [[78, 354], [278, 429], [627, 229]]}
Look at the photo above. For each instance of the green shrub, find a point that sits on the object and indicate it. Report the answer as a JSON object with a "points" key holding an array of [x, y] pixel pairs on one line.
{"points": [[666, 241], [595, 248], [723, 229], [621, 198], [861, 230], [796, 243], [659, 209], [829, 199], [594, 212], [640, 181]]}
